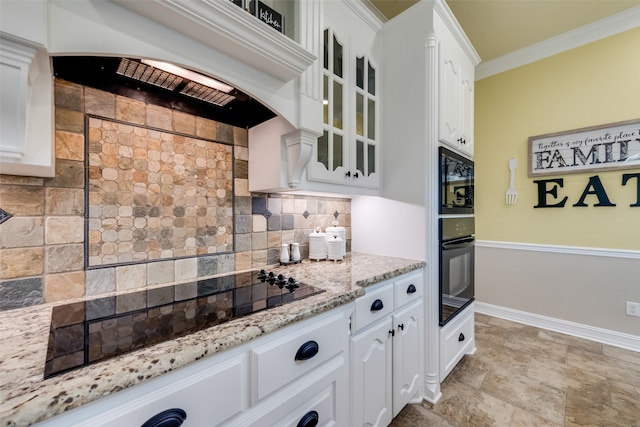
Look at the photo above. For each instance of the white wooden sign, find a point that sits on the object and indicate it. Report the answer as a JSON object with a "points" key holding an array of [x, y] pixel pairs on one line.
{"points": [[606, 147]]}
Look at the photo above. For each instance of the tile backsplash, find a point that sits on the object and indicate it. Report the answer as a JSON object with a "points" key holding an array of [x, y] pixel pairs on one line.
{"points": [[44, 249]]}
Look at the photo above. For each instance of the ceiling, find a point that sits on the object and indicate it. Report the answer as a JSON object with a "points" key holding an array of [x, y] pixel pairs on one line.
{"points": [[498, 27]]}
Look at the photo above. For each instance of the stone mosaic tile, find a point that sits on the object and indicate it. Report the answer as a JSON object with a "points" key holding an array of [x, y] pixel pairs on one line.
{"points": [[21, 262], [68, 95], [259, 240], [241, 137], [63, 286], [224, 133], [242, 205], [100, 281], [241, 187], [20, 293], [241, 168], [206, 128], [99, 102], [62, 258], [274, 239], [258, 223], [274, 222], [69, 145], [69, 174], [243, 242], [169, 194], [22, 200], [21, 180], [184, 123], [287, 222], [130, 110], [186, 269], [207, 265], [226, 263], [242, 224], [21, 232], [258, 205], [64, 201], [159, 117], [160, 272], [131, 277], [243, 260], [64, 229], [69, 120]]}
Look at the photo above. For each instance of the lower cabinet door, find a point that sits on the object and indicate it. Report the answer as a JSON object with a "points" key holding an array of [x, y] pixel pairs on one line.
{"points": [[407, 359], [371, 376]]}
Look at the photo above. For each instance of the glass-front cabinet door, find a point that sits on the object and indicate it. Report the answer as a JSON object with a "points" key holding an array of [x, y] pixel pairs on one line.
{"points": [[330, 156], [347, 153], [366, 119]]}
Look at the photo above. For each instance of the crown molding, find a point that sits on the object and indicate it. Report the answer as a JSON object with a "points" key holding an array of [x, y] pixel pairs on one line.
{"points": [[367, 12], [581, 36], [453, 25]]}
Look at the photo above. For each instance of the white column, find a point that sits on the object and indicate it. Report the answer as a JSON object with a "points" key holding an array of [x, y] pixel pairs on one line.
{"points": [[432, 298]]}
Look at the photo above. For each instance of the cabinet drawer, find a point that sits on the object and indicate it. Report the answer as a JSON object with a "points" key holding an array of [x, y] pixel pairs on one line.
{"points": [[456, 339], [210, 392], [408, 289], [291, 355], [374, 305]]}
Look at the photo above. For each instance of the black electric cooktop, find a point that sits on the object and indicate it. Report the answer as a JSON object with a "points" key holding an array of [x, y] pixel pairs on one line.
{"points": [[90, 331]]}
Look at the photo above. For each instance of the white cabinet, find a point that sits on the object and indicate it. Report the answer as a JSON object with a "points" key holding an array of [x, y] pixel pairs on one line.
{"points": [[407, 366], [347, 153], [278, 379], [371, 387], [457, 338], [386, 350], [209, 392], [455, 127]]}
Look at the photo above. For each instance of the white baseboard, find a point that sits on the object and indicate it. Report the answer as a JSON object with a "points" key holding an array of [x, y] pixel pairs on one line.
{"points": [[617, 339]]}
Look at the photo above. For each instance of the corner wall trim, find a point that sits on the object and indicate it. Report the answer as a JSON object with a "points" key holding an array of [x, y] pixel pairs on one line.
{"points": [[605, 336], [581, 36], [567, 250]]}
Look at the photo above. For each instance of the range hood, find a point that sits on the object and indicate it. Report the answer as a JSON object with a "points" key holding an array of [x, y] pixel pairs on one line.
{"points": [[141, 80]]}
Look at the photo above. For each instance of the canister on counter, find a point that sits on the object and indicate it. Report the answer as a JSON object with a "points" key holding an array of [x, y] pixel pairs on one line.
{"points": [[334, 248], [317, 245], [341, 232]]}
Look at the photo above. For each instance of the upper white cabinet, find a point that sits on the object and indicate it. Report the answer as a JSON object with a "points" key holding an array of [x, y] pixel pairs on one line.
{"points": [[455, 126], [428, 70], [347, 152], [345, 155]]}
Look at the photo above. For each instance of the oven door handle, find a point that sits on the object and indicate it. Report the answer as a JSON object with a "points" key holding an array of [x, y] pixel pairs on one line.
{"points": [[458, 243]]}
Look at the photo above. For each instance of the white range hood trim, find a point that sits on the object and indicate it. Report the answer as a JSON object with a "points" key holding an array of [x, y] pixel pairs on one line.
{"points": [[229, 29]]}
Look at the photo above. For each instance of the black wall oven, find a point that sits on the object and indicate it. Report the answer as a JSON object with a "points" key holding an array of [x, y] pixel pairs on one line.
{"points": [[456, 183], [457, 237]]}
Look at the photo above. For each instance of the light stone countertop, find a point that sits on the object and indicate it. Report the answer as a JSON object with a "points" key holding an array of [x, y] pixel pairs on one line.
{"points": [[26, 398]]}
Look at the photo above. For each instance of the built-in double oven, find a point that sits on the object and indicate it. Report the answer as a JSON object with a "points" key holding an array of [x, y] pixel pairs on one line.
{"points": [[457, 234]]}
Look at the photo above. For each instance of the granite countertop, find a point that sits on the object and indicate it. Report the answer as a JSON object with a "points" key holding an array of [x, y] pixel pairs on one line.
{"points": [[26, 397]]}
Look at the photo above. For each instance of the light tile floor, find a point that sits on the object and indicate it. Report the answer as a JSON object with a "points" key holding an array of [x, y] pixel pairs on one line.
{"points": [[525, 376]]}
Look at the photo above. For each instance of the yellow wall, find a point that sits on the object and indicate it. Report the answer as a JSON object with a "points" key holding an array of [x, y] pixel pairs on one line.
{"points": [[592, 85]]}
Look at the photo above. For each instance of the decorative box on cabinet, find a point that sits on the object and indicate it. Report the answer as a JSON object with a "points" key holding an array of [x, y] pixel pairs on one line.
{"points": [[386, 350], [457, 338]]}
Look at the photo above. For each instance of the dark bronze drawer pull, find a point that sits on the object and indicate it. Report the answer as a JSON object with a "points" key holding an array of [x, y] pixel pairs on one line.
{"points": [[461, 337], [411, 289], [310, 419], [377, 305], [307, 350], [169, 418]]}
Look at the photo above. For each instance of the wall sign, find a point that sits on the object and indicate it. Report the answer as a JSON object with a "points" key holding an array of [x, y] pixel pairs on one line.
{"points": [[606, 147], [267, 15]]}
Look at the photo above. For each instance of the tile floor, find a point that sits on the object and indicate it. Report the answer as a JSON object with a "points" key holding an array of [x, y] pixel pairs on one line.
{"points": [[524, 376]]}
